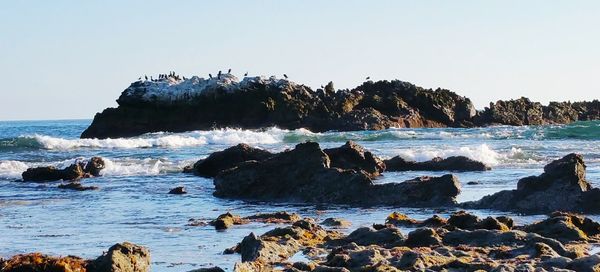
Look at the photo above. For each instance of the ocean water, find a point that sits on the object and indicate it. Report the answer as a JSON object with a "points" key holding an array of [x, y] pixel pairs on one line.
{"points": [[133, 204]]}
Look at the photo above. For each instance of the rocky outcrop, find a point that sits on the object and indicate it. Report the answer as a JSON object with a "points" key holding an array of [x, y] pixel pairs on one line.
{"points": [[442, 248], [305, 174], [523, 111], [175, 104], [228, 158], [122, 257], [562, 187], [179, 190], [77, 170], [454, 163]]}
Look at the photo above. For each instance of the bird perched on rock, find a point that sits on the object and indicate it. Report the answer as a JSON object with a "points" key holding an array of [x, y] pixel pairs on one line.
{"points": [[209, 75], [229, 71], [219, 75], [146, 77], [368, 77], [284, 75], [246, 74]]}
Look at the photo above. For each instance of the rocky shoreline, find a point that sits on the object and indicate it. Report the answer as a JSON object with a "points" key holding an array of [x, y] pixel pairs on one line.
{"points": [[177, 105]]}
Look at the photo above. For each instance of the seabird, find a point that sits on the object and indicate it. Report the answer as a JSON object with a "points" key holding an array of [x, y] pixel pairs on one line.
{"points": [[284, 75], [209, 75], [219, 75], [229, 71], [368, 77], [246, 74], [146, 77]]}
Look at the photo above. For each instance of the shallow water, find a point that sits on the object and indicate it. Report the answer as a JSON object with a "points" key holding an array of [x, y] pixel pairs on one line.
{"points": [[133, 203]]}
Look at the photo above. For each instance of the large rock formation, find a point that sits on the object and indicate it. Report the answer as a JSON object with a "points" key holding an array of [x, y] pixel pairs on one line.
{"points": [[306, 174], [175, 104], [256, 102], [562, 187]]}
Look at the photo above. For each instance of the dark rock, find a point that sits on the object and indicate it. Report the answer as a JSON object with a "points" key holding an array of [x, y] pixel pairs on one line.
{"points": [[123, 257], [276, 217], [423, 237], [304, 174], [48, 173], [565, 227], [77, 186], [336, 222], [208, 269], [179, 190], [454, 163], [226, 220], [75, 171], [94, 166], [354, 156], [562, 187], [228, 158], [387, 237]]}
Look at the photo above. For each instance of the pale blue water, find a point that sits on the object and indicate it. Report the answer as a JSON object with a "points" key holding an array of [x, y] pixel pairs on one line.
{"points": [[133, 203]]}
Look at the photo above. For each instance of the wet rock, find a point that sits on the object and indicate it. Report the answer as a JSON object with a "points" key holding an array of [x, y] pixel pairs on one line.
{"points": [[94, 165], [305, 174], [75, 171], [228, 158], [179, 190], [123, 257], [276, 217], [386, 237], [336, 222], [400, 219], [77, 186], [454, 163], [38, 262], [468, 221], [37, 174], [423, 237], [354, 156], [585, 264], [561, 187], [566, 227], [226, 220], [208, 269]]}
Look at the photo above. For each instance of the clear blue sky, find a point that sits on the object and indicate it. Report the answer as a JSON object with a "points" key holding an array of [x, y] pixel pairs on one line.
{"points": [[71, 59]]}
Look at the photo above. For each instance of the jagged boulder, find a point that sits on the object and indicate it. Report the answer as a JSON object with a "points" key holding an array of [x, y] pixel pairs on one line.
{"points": [[305, 174], [122, 257], [228, 158], [75, 171], [562, 187], [453, 163], [353, 156]]}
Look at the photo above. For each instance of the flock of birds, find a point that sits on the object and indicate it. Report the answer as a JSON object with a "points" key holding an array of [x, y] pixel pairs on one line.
{"points": [[177, 77]]}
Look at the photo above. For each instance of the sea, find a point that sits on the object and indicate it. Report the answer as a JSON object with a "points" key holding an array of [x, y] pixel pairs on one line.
{"points": [[133, 203]]}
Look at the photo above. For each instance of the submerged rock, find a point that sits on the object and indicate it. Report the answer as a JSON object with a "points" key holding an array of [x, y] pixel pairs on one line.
{"points": [[305, 174], [179, 190], [562, 187], [75, 171], [228, 158], [454, 163], [77, 186]]}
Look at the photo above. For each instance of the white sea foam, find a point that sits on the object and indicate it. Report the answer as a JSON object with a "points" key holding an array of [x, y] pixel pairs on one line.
{"points": [[12, 169], [176, 140], [482, 153]]}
